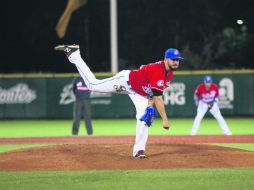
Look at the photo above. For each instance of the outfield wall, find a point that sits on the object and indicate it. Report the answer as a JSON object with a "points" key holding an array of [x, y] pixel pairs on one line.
{"points": [[50, 96]]}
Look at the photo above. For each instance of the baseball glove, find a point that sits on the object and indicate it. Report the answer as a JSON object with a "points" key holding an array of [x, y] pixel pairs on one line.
{"points": [[149, 116]]}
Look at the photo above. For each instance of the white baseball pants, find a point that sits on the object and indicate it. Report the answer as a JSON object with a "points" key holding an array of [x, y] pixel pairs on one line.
{"points": [[116, 84], [215, 111]]}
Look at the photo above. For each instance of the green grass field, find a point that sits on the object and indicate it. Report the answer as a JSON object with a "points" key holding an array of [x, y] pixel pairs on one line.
{"points": [[42, 128], [180, 179], [211, 179]]}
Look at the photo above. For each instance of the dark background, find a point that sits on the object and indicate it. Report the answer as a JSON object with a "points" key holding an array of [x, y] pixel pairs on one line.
{"points": [[205, 32]]}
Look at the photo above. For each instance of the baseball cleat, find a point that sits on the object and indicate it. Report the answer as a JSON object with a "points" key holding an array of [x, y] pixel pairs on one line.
{"points": [[141, 154], [67, 49]]}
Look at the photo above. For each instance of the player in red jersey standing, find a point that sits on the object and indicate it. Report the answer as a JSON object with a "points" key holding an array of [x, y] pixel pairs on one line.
{"points": [[206, 99], [144, 86]]}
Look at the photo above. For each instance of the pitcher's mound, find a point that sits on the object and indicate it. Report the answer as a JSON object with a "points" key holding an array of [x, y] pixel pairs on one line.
{"points": [[118, 156]]}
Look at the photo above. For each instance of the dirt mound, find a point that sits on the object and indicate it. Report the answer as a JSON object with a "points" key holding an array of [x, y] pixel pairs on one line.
{"points": [[118, 156], [130, 139]]}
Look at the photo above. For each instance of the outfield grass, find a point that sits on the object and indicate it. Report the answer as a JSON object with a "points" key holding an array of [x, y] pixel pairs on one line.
{"points": [[174, 179], [42, 128]]}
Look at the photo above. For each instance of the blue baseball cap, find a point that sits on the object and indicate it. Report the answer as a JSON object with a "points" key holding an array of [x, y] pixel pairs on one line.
{"points": [[208, 79], [172, 54]]}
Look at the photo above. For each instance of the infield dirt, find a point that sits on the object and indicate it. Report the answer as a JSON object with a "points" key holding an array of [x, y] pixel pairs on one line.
{"points": [[83, 153]]}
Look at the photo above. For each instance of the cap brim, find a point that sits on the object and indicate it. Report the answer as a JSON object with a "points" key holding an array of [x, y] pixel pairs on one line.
{"points": [[180, 58]]}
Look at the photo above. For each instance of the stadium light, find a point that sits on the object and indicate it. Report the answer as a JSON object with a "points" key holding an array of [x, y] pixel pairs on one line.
{"points": [[239, 21]]}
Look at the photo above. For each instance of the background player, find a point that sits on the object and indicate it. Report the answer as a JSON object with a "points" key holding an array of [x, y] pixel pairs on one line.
{"points": [[206, 99], [144, 86]]}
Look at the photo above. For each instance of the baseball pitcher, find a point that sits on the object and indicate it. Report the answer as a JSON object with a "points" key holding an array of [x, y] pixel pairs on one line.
{"points": [[206, 99], [144, 86]]}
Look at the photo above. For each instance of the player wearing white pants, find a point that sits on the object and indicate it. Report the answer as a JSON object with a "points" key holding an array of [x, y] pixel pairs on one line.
{"points": [[116, 84], [142, 85], [206, 98]]}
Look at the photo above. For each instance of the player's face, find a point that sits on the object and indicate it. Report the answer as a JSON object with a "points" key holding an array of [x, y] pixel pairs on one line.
{"points": [[171, 64], [208, 84]]}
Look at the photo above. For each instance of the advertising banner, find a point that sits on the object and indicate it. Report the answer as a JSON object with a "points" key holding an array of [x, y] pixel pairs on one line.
{"points": [[52, 97]]}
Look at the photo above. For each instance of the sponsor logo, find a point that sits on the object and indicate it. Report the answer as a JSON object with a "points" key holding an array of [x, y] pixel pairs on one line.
{"points": [[18, 94], [160, 83], [176, 52], [175, 94], [226, 91], [67, 96]]}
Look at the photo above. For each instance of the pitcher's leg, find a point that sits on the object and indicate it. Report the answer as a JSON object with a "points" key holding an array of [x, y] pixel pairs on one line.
{"points": [[108, 85], [82, 67], [93, 84], [141, 138]]}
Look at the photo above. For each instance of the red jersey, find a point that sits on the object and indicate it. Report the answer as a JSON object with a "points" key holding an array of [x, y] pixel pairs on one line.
{"points": [[207, 95], [148, 77]]}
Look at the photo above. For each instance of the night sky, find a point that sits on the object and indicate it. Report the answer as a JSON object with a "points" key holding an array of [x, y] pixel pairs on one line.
{"points": [[146, 30]]}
